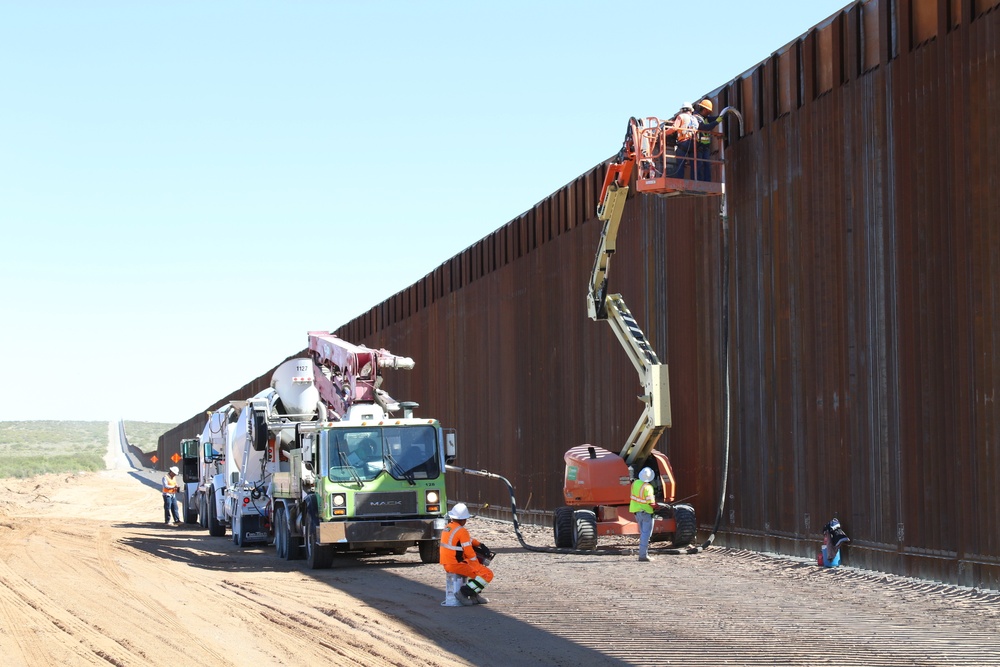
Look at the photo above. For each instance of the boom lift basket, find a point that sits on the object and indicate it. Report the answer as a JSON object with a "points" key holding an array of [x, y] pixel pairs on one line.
{"points": [[661, 171]]}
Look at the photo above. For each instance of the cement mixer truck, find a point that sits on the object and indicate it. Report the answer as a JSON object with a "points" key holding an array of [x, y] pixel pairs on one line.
{"points": [[317, 464]]}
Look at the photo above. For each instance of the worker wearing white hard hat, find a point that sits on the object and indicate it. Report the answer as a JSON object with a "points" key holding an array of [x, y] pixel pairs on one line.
{"points": [[685, 126], [171, 484], [458, 556], [642, 501]]}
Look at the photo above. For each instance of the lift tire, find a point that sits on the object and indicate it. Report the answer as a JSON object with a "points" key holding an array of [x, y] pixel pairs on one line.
{"points": [[562, 527], [585, 530], [215, 527], [430, 551], [686, 525]]}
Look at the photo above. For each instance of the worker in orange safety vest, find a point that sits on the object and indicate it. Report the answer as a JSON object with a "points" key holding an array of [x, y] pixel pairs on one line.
{"points": [[458, 556], [685, 126], [171, 484], [642, 503]]}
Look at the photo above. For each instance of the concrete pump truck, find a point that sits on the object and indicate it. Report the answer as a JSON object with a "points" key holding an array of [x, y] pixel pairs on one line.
{"points": [[317, 464], [597, 481]]}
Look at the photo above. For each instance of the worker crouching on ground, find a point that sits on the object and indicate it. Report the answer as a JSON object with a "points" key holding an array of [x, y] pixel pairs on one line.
{"points": [[833, 538], [170, 487], [458, 556], [642, 503]]}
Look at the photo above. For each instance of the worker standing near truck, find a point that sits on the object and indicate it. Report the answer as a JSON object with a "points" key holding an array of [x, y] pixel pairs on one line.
{"points": [[171, 485], [642, 502], [458, 556]]}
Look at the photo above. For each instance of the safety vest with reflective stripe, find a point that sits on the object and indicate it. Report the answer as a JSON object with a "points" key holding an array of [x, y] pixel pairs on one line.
{"points": [[705, 125], [456, 540], [685, 123], [170, 485], [641, 499]]}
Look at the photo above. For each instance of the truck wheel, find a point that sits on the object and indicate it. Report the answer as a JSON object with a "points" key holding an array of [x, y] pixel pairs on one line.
{"points": [[215, 527], [190, 509], [686, 525], [319, 556], [585, 530], [286, 545], [562, 526], [430, 551], [280, 534], [293, 544], [202, 511]]}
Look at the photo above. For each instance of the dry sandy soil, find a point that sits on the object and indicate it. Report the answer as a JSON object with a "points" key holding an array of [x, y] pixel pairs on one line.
{"points": [[89, 575]]}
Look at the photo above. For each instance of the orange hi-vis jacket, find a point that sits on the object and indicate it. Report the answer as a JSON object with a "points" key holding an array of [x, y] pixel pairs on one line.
{"points": [[455, 540], [170, 485], [685, 125]]}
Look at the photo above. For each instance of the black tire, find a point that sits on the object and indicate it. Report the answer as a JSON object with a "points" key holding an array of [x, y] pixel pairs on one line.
{"points": [[686, 525], [293, 544], [190, 509], [430, 551], [202, 511], [288, 546], [280, 534], [319, 556], [562, 527], [585, 530], [215, 527]]}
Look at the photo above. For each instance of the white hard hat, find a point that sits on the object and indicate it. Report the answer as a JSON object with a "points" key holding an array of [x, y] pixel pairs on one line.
{"points": [[459, 512], [175, 470], [687, 107], [646, 474]]}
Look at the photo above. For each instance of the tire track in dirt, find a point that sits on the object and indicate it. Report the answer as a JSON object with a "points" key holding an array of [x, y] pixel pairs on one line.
{"points": [[43, 630], [125, 590], [305, 623]]}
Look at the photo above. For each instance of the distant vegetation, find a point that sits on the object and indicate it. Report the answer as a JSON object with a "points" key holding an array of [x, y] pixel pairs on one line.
{"points": [[29, 448], [145, 435]]}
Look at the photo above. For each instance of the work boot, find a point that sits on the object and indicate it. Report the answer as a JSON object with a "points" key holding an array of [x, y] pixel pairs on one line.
{"points": [[466, 595], [646, 559], [480, 599]]}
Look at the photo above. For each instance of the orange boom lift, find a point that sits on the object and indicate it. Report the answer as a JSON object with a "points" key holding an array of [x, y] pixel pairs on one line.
{"points": [[597, 481]]}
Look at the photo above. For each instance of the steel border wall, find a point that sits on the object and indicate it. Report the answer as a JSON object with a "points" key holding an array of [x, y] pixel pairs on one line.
{"points": [[865, 260]]}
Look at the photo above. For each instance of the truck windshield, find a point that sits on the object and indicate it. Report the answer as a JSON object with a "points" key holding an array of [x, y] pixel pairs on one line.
{"points": [[405, 452]]}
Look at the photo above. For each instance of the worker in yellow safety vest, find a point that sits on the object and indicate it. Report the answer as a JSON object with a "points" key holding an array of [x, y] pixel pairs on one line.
{"points": [[171, 485], [642, 501], [458, 556]]}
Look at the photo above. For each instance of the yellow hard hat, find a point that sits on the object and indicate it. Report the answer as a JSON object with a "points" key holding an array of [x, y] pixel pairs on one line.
{"points": [[706, 104]]}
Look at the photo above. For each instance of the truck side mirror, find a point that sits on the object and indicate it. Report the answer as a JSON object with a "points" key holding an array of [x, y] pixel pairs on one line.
{"points": [[450, 447]]}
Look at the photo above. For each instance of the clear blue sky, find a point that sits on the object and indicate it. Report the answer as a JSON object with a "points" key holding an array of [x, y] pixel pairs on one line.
{"points": [[187, 187]]}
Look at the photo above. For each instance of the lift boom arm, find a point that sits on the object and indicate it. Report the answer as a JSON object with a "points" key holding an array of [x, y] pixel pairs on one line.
{"points": [[602, 306]]}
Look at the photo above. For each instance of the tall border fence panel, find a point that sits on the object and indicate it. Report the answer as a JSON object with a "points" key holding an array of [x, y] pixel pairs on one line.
{"points": [[862, 244]]}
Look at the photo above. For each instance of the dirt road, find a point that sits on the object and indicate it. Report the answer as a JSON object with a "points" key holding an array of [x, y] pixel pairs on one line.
{"points": [[90, 576]]}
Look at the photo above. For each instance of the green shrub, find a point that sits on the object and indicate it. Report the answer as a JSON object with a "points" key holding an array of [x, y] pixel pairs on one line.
{"points": [[29, 466]]}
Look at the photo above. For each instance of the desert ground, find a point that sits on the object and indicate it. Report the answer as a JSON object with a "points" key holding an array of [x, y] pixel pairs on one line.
{"points": [[90, 575]]}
